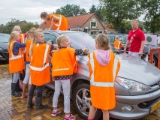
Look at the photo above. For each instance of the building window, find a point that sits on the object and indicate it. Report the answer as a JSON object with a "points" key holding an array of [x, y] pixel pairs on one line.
{"points": [[93, 25]]}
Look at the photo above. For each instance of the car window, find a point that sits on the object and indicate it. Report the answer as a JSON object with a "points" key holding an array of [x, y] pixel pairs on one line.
{"points": [[80, 40], [123, 39], [50, 37], [4, 38]]}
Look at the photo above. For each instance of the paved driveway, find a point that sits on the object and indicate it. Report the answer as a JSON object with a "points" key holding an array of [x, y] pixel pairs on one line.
{"points": [[12, 108]]}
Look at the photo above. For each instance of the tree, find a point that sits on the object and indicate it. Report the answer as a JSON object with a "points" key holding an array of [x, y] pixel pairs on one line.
{"points": [[71, 10], [152, 17], [115, 11], [25, 26], [93, 9]]}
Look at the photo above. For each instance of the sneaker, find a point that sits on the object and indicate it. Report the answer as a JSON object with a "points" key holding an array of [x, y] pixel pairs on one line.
{"points": [[70, 117], [55, 112]]}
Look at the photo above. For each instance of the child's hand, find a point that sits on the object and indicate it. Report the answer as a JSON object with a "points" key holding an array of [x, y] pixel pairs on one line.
{"points": [[55, 46], [85, 50], [49, 42]]}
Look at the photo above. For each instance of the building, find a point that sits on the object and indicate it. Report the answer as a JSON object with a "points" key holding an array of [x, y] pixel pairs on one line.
{"points": [[88, 23]]}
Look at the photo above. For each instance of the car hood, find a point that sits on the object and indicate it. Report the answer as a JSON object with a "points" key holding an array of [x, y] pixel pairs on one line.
{"points": [[137, 69], [4, 45]]}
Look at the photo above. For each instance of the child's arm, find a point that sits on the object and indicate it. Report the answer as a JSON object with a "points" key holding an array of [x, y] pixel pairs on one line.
{"points": [[16, 47], [80, 51]]}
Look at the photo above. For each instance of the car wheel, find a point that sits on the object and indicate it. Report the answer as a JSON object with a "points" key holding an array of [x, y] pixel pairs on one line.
{"points": [[81, 101]]}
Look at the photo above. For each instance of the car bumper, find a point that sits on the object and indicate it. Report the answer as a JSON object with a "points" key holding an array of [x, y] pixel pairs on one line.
{"points": [[3, 56], [141, 104]]}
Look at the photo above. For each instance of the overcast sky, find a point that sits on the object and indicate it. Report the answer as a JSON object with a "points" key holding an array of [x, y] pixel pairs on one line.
{"points": [[30, 10]]}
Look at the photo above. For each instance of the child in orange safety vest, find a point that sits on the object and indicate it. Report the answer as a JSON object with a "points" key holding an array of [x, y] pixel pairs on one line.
{"points": [[26, 80], [117, 43], [22, 39], [16, 60], [63, 63], [104, 67], [56, 21], [39, 67]]}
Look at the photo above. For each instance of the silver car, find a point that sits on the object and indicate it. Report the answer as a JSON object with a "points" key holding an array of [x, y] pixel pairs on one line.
{"points": [[137, 85]]}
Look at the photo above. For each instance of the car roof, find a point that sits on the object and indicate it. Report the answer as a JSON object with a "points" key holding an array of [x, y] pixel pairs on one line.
{"points": [[3, 34], [58, 31]]}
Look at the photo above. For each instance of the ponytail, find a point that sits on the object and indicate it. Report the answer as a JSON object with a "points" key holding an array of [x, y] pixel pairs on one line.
{"points": [[12, 35], [36, 33]]}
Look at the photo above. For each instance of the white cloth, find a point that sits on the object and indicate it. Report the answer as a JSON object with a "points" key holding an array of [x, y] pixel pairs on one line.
{"points": [[66, 92], [158, 41], [135, 54], [27, 74]]}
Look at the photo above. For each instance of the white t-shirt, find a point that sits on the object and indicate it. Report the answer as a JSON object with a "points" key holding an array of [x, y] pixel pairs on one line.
{"points": [[158, 42]]}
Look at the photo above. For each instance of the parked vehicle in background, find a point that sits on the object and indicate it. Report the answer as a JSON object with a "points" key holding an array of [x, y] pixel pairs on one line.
{"points": [[4, 47], [137, 84]]}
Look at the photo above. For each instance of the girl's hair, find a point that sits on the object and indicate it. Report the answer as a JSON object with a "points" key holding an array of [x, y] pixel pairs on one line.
{"points": [[60, 39], [36, 33], [43, 15], [31, 31], [12, 35], [17, 27], [103, 41]]}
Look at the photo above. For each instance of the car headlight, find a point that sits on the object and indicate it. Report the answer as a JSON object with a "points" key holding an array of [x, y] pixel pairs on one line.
{"points": [[132, 86]]}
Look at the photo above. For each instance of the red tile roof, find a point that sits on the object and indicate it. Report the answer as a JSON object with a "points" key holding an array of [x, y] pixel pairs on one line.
{"points": [[80, 20]]}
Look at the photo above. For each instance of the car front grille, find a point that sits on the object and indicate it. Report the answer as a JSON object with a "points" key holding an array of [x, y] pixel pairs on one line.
{"points": [[147, 104]]}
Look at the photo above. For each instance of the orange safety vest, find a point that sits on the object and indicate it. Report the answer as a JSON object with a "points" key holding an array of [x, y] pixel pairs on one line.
{"points": [[22, 38], [28, 43], [64, 62], [59, 22], [102, 82], [16, 62], [39, 65], [117, 44]]}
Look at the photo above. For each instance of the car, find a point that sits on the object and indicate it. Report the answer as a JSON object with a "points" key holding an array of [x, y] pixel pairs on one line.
{"points": [[137, 84], [4, 56]]}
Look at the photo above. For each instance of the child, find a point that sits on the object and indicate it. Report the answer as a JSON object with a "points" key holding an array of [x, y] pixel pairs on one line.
{"points": [[21, 40], [63, 61], [117, 43], [103, 66], [27, 71], [56, 21], [39, 68], [16, 60]]}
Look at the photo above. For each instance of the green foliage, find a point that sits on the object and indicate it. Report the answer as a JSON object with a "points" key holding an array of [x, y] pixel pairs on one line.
{"points": [[152, 15], [71, 10], [115, 11], [93, 9], [25, 26]]}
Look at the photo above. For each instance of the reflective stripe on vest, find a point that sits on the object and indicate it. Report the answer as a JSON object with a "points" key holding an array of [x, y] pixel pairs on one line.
{"points": [[61, 69], [44, 61], [13, 56], [102, 84], [60, 22]]}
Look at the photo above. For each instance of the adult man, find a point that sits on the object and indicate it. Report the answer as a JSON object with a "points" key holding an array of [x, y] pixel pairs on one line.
{"points": [[136, 40]]}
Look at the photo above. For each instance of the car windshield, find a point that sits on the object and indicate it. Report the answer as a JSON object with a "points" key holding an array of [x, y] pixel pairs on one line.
{"points": [[4, 38], [80, 40]]}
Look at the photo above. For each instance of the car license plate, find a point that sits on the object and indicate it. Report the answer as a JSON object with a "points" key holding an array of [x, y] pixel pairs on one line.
{"points": [[155, 106]]}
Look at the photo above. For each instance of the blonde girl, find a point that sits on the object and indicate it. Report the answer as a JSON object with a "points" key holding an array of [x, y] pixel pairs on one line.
{"points": [[39, 68], [103, 66], [16, 60], [27, 70]]}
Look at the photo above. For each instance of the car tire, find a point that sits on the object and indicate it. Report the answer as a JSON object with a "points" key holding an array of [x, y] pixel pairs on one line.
{"points": [[81, 101]]}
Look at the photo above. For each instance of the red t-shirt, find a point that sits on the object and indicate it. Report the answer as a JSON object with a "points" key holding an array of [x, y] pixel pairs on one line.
{"points": [[135, 39]]}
